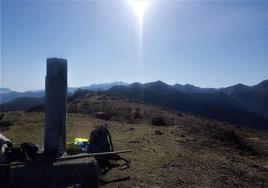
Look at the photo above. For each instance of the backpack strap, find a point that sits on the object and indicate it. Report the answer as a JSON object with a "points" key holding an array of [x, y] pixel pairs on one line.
{"points": [[110, 139]]}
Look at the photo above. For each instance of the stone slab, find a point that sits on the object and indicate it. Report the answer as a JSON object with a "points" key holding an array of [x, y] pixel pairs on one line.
{"points": [[72, 173]]}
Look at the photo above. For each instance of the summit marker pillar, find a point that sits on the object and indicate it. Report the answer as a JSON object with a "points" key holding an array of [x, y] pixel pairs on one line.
{"points": [[55, 106]]}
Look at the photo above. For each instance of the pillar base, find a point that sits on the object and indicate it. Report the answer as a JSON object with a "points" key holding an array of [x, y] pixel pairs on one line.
{"points": [[83, 172]]}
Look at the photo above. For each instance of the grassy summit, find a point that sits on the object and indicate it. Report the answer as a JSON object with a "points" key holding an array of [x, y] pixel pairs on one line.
{"points": [[180, 150]]}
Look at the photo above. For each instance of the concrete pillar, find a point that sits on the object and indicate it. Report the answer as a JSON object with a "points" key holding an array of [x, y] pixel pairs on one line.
{"points": [[55, 106]]}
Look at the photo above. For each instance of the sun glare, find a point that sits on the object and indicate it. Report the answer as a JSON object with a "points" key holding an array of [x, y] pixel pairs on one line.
{"points": [[139, 7]]}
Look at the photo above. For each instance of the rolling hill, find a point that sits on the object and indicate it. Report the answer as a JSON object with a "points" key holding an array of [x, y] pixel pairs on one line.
{"points": [[7, 95], [4, 90], [254, 98], [22, 103], [251, 98], [181, 150], [217, 106], [239, 104]]}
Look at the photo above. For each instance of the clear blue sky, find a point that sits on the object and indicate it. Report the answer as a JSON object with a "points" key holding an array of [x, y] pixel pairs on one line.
{"points": [[208, 44]]}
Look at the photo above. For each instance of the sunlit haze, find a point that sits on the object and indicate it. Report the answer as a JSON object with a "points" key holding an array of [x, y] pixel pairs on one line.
{"points": [[139, 7], [204, 43]]}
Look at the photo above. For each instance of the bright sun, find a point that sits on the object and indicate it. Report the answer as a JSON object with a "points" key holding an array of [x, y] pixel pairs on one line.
{"points": [[139, 7]]}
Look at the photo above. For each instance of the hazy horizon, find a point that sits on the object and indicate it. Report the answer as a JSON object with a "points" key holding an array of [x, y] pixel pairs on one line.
{"points": [[128, 83], [206, 44]]}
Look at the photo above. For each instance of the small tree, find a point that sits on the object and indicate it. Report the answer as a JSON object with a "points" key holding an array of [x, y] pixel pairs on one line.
{"points": [[137, 113]]}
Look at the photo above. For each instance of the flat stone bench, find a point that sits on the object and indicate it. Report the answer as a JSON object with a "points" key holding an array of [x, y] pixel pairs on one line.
{"points": [[70, 173]]}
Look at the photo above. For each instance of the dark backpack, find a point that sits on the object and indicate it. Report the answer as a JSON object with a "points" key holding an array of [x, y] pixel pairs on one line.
{"points": [[29, 150], [100, 140]]}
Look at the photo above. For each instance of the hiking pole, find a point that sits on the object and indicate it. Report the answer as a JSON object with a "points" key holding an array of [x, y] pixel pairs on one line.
{"points": [[49, 159]]}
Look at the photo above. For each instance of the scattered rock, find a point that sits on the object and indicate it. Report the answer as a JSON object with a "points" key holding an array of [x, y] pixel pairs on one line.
{"points": [[130, 129], [134, 142], [170, 164], [253, 138], [147, 141], [180, 139], [4, 123], [190, 139], [103, 116], [158, 132]]}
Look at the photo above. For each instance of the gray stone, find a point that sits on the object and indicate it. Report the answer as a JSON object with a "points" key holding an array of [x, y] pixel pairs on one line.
{"points": [[78, 172], [55, 106]]}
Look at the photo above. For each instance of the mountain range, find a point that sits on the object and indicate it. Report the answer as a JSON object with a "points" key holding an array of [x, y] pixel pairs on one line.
{"points": [[252, 98], [7, 95], [233, 104], [238, 104]]}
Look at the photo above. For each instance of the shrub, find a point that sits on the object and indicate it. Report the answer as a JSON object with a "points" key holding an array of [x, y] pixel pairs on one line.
{"points": [[103, 115], [232, 138], [179, 114], [38, 108], [4, 124], [137, 113], [158, 121]]}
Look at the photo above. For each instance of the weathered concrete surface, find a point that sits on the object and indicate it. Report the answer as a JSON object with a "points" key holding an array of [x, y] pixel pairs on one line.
{"points": [[72, 173], [55, 106]]}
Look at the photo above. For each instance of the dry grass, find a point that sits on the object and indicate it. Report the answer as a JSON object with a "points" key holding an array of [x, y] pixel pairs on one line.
{"points": [[192, 152]]}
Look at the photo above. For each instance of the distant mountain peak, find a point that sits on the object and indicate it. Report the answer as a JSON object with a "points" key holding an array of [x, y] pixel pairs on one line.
{"points": [[188, 88], [208, 102], [135, 84], [104, 86], [241, 85], [157, 83], [264, 83], [4, 90]]}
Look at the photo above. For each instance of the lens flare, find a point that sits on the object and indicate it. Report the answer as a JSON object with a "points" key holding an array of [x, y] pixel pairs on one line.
{"points": [[139, 7]]}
